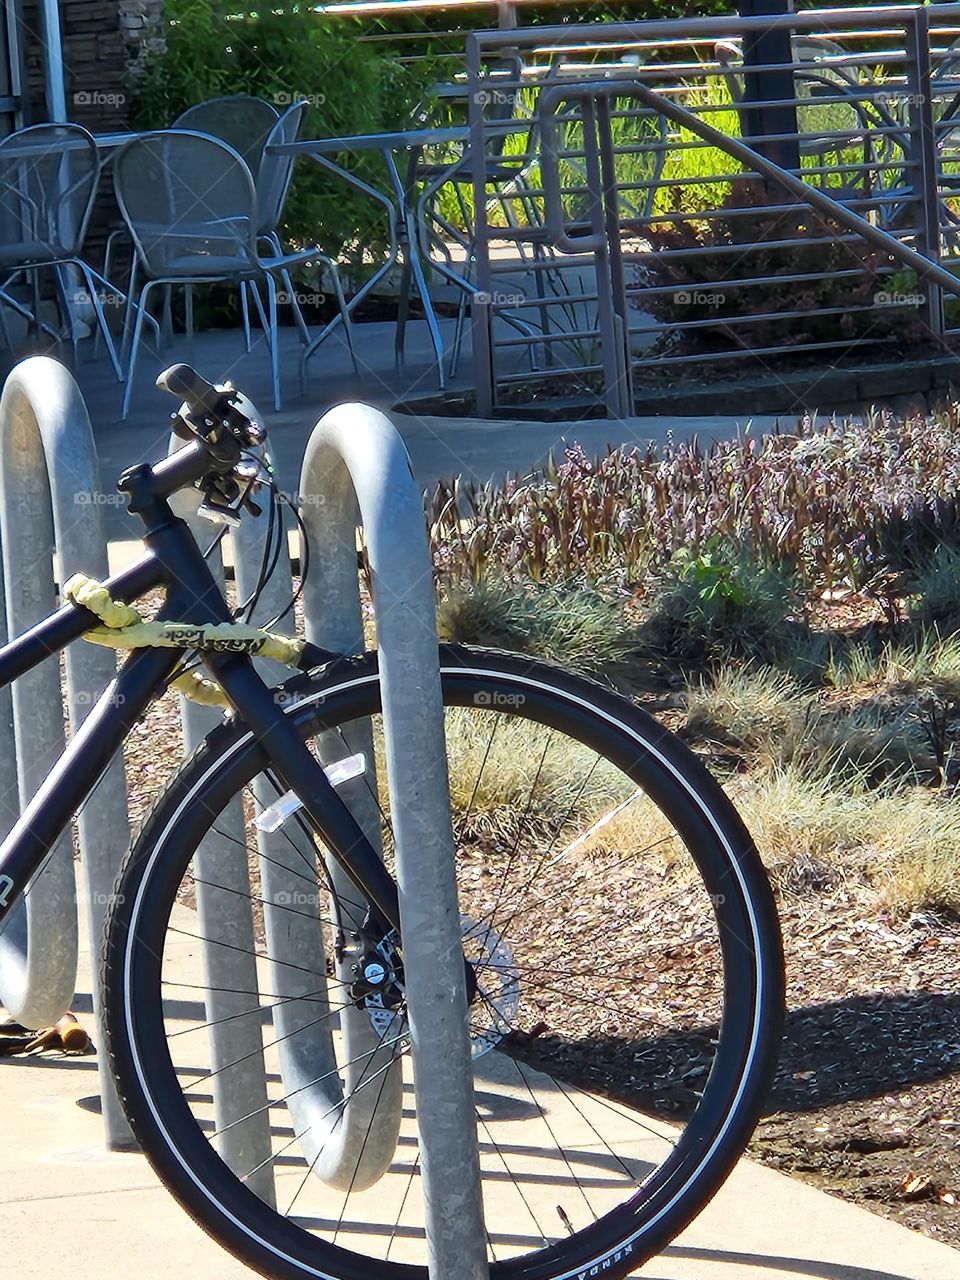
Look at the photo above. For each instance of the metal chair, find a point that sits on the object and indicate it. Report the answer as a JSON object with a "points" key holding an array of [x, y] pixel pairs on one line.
{"points": [[243, 122], [48, 182], [273, 178], [191, 208]]}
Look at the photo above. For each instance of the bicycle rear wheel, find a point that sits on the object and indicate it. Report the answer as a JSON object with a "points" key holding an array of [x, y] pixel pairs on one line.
{"points": [[627, 975]]}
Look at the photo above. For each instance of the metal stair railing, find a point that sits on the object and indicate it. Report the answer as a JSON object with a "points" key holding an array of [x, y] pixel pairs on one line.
{"points": [[602, 236]]}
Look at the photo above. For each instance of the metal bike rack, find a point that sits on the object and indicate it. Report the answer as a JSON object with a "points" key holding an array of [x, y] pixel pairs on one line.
{"points": [[355, 458], [49, 495]]}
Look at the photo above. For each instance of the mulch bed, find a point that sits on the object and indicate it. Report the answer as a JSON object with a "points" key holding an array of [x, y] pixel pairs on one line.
{"points": [[867, 1100]]}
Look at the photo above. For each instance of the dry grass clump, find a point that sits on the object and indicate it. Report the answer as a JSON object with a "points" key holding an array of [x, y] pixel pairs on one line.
{"points": [[510, 776], [577, 627], [814, 831], [928, 663], [751, 706], [871, 741]]}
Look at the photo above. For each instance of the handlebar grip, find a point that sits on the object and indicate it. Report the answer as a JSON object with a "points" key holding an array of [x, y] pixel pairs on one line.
{"points": [[186, 384]]}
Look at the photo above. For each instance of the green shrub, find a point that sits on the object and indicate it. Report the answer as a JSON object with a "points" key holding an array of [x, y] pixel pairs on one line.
{"points": [[938, 591], [282, 53], [716, 605], [687, 253]]}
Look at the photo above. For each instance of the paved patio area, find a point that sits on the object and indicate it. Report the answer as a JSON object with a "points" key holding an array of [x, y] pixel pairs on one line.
{"points": [[439, 447]]}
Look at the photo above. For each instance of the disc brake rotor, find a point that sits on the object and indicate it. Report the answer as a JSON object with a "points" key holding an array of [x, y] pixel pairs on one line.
{"points": [[493, 1009]]}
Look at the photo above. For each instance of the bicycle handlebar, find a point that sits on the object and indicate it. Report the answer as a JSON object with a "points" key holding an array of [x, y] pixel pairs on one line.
{"points": [[200, 396], [221, 424]]}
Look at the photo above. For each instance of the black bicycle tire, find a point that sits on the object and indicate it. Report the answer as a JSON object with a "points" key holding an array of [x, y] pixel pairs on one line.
{"points": [[672, 775]]}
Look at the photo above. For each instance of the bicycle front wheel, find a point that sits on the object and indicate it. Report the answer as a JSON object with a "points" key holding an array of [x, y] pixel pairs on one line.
{"points": [[626, 986]]}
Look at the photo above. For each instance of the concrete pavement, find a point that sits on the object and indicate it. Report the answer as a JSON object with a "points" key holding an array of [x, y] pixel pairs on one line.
{"points": [[440, 447]]}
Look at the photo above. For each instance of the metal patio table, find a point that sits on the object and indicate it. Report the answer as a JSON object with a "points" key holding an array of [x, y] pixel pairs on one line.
{"points": [[400, 204]]}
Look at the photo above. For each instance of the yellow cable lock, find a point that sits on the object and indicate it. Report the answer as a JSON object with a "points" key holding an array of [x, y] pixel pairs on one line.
{"points": [[124, 628]]}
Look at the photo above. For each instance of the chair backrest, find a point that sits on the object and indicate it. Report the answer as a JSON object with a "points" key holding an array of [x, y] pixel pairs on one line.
{"points": [[48, 182], [242, 121], [276, 172], [189, 202]]}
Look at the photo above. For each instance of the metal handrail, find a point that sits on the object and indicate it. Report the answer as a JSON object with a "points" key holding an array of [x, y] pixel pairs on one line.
{"points": [[813, 196]]}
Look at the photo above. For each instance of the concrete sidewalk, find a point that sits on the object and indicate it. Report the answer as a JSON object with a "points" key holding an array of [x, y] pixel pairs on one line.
{"points": [[65, 1201], [440, 447]]}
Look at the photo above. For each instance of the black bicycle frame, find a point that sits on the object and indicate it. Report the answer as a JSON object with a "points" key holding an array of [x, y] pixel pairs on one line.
{"points": [[174, 562]]}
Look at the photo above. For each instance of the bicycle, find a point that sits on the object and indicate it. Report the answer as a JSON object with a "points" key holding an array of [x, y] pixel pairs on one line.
{"points": [[621, 946]]}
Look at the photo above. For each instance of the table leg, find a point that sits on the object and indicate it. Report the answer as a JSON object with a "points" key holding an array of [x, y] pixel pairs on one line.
{"points": [[406, 198], [393, 252]]}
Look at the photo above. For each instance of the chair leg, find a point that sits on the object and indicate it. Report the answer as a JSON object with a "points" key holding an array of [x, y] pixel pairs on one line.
{"points": [[403, 306], [245, 312], [273, 334], [433, 323], [128, 310], [135, 343], [63, 288], [298, 319], [166, 325], [188, 315], [258, 303], [107, 259], [458, 334], [345, 312], [102, 326], [35, 288]]}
